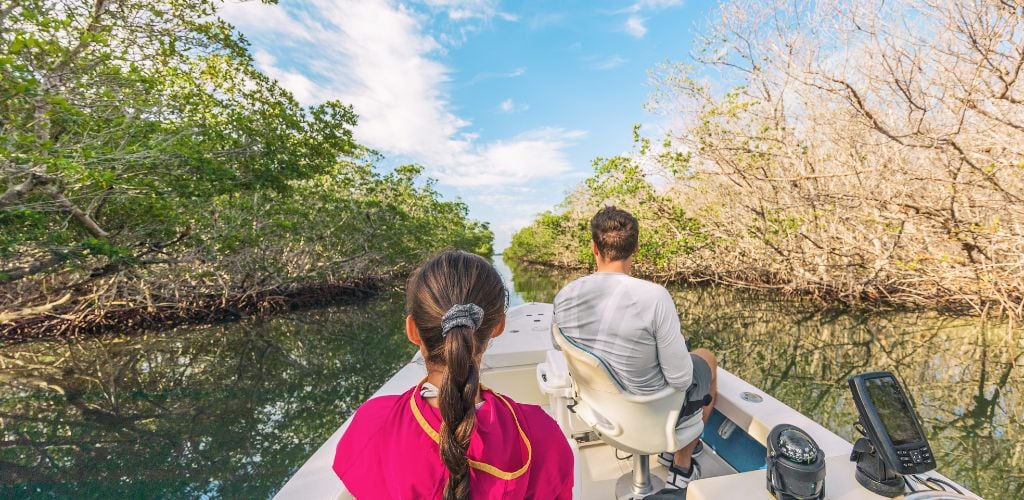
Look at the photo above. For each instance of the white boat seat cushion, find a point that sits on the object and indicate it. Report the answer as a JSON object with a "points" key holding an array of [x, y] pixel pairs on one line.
{"points": [[587, 369], [643, 424]]}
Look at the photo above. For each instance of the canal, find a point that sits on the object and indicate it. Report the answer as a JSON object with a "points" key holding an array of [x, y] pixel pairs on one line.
{"points": [[232, 410]]}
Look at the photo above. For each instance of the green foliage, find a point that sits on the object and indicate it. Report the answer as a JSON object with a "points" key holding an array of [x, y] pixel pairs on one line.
{"points": [[150, 119], [386, 222], [667, 232], [539, 242]]}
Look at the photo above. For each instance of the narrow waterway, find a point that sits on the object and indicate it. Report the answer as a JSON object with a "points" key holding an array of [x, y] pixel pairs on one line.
{"points": [[231, 410]]}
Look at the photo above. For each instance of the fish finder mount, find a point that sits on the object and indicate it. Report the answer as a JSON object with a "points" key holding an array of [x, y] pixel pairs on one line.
{"points": [[872, 472], [893, 443]]}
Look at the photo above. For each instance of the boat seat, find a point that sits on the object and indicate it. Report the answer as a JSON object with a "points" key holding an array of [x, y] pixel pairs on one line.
{"points": [[555, 382], [639, 424]]}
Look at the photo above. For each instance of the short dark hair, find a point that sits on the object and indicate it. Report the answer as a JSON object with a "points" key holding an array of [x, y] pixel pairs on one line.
{"points": [[615, 232]]}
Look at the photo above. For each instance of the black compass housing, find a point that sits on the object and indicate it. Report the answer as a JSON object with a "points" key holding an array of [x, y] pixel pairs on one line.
{"points": [[796, 464]]}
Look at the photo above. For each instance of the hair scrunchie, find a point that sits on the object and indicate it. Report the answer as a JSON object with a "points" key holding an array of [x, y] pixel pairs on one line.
{"points": [[468, 315]]}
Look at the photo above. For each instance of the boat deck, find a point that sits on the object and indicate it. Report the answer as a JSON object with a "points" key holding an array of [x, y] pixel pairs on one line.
{"points": [[602, 466], [509, 367]]}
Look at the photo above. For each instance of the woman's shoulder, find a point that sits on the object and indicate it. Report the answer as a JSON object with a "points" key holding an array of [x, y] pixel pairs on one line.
{"points": [[541, 428], [372, 418], [379, 404], [374, 414], [537, 419]]}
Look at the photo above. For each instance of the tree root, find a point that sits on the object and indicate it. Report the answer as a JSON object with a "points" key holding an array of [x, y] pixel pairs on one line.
{"points": [[205, 310]]}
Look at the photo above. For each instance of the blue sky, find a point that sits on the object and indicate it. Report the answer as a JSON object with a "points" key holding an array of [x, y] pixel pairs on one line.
{"points": [[505, 103]]}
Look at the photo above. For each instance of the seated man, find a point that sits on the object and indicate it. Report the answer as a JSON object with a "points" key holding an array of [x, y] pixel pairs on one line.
{"points": [[633, 326]]}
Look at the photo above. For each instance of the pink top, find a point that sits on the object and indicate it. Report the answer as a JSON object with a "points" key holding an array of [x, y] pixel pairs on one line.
{"points": [[386, 453]]}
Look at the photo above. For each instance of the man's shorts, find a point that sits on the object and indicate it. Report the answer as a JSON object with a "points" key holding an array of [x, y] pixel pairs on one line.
{"points": [[699, 394]]}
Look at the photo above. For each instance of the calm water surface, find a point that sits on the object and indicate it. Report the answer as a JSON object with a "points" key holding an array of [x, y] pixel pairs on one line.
{"points": [[232, 410]]}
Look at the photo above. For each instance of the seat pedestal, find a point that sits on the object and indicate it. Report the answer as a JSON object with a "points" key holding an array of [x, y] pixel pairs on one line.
{"points": [[639, 483]]}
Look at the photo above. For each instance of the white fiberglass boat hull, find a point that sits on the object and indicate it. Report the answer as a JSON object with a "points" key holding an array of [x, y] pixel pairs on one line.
{"points": [[744, 416]]}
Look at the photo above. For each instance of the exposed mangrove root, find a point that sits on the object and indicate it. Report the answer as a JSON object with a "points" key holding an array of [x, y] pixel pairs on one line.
{"points": [[880, 297], [203, 310]]}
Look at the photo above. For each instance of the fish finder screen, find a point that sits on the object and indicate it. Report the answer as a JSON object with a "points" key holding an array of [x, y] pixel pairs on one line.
{"points": [[892, 407]]}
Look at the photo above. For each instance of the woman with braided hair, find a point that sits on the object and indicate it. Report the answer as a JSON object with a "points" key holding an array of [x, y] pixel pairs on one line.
{"points": [[449, 437]]}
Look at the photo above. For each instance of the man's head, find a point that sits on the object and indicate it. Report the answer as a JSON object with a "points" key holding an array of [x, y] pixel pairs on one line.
{"points": [[615, 233]]}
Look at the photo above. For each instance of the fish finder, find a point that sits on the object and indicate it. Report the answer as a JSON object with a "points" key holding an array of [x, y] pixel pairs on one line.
{"points": [[893, 444]]}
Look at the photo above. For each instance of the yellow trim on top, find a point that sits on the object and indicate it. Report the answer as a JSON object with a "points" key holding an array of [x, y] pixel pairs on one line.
{"points": [[480, 466]]}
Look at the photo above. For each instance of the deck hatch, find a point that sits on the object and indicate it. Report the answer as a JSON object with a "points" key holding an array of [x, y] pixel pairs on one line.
{"points": [[738, 449]]}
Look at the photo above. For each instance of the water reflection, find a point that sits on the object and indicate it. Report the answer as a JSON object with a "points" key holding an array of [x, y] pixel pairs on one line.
{"points": [[226, 411], [964, 375], [233, 410], [531, 283]]}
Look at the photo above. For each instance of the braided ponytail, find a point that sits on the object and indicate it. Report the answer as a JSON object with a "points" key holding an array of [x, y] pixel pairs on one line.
{"points": [[456, 281], [457, 402]]}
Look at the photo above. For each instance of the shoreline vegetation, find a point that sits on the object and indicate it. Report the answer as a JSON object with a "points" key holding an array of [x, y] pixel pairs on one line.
{"points": [[839, 153], [151, 176], [195, 311]]}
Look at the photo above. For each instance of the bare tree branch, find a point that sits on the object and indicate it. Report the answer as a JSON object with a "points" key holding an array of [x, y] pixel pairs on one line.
{"points": [[55, 193], [14, 193]]}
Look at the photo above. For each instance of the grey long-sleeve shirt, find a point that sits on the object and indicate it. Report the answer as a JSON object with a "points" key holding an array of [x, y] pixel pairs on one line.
{"points": [[632, 325]]}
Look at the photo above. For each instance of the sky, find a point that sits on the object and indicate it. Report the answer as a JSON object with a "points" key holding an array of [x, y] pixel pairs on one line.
{"points": [[506, 104]]}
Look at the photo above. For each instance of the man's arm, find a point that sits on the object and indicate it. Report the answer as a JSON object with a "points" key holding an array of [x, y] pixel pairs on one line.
{"points": [[673, 356]]}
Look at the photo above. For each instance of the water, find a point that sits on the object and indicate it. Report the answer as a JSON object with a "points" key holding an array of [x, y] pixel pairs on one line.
{"points": [[225, 411], [232, 410]]}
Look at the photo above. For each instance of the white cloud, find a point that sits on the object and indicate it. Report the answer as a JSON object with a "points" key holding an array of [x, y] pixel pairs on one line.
{"points": [[267, 18], [604, 63], [305, 90], [479, 77], [635, 26], [460, 10], [381, 57], [529, 156], [652, 4], [511, 106], [546, 19], [377, 56]]}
